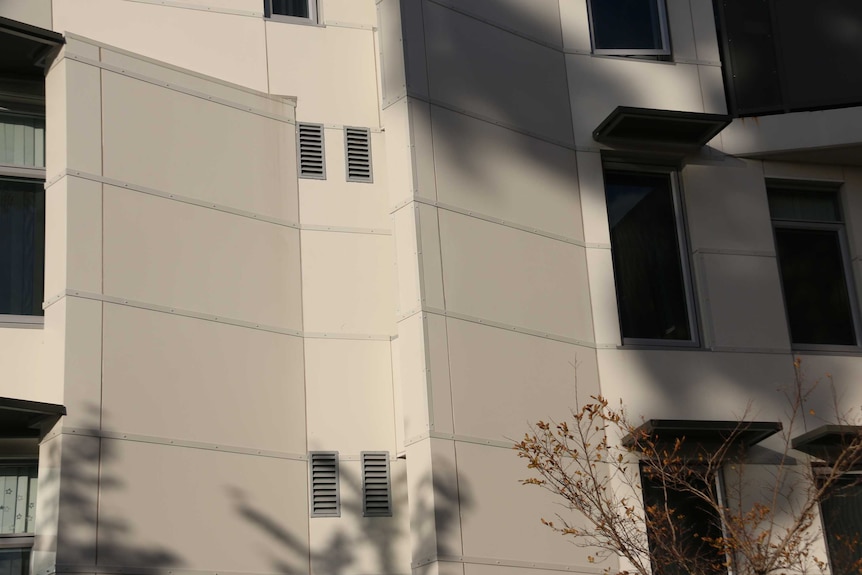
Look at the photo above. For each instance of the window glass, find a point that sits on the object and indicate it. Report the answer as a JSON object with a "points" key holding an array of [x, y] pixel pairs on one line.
{"points": [[22, 140], [841, 512], [14, 561], [629, 26], [296, 8], [812, 260], [22, 236], [17, 499], [645, 247], [691, 521]]}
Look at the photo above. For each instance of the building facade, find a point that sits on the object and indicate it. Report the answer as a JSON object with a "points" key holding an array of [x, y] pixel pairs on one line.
{"points": [[283, 280]]}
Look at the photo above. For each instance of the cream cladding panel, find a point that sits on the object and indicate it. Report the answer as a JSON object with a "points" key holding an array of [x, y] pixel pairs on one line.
{"points": [[518, 278], [539, 19], [169, 253], [473, 66], [213, 373], [226, 46], [164, 506], [197, 148], [500, 173]]}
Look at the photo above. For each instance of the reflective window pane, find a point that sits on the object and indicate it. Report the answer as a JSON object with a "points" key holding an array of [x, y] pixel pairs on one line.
{"points": [[626, 24], [17, 499], [842, 521], [22, 238], [815, 287], [804, 205], [297, 8], [648, 271], [14, 561]]}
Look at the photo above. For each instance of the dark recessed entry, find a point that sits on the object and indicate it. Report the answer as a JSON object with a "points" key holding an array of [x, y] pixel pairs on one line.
{"points": [[20, 418], [703, 432], [627, 126], [827, 441]]}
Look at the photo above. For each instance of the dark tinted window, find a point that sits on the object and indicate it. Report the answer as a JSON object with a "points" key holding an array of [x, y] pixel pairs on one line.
{"points": [[14, 561], [815, 287], [297, 8], [22, 246], [648, 269], [690, 519], [636, 25], [842, 521]]}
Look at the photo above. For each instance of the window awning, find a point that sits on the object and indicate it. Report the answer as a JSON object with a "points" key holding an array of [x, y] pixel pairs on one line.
{"points": [[20, 418], [826, 441], [704, 432], [639, 127], [23, 46]]}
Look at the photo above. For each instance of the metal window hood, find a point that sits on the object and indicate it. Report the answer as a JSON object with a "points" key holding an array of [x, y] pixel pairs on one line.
{"points": [[704, 432], [20, 418], [639, 127]]}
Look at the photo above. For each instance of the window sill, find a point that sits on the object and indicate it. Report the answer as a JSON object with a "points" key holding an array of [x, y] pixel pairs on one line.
{"points": [[22, 321], [852, 350], [294, 20]]}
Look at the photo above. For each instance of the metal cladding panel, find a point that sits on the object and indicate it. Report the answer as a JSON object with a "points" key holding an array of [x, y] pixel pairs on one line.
{"points": [[844, 372], [705, 35], [82, 362], [393, 76], [431, 260], [726, 208], [599, 85], [244, 5], [376, 545], [212, 373], [576, 25], [349, 395], [603, 297], [414, 377], [406, 262], [684, 384], [337, 61], [539, 20], [335, 202], [171, 253], [501, 518], [440, 388], [745, 305], [33, 12], [75, 484], [349, 12], [226, 46], [501, 380], [591, 185], [503, 174], [472, 66], [497, 273], [348, 283], [23, 355], [679, 22], [198, 148], [415, 57], [398, 177], [204, 510]]}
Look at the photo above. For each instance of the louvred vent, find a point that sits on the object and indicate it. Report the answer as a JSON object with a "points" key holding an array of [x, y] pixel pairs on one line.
{"points": [[358, 143], [312, 163], [376, 485], [323, 468]]}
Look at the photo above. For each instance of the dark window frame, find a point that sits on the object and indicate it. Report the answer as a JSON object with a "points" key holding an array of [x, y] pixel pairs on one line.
{"points": [[840, 230], [682, 251], [664, 35]]}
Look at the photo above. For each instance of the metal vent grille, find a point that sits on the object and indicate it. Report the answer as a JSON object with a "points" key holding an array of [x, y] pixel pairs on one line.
{"points": [[357, 142], [376, 486], [312, 162], [323, 471]]}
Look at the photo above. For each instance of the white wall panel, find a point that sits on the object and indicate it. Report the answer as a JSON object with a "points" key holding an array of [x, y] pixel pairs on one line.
{"points": [[204, 510], [406, 260], [539, 20], [224, 46], [77, 488], [705, 34], [33, 12], [349, 396], [335, 80], [82, 363], [680, 27], [745, 304], [837, 381], [197, 148], [576, 25], [83, 228], [244, 5], [606, 319], [23, 355], [727, 208], [805, 172], [431, 259], [399, 154], [415, 57], [592, 195], [473, 66], [422, 140], [693, 384], [599, 84], [503, 381], [347, 283], [354, 12], [414, 376], [442, 413], [337, 202], [500, 518], [712, 87], [356, 545], [173, 254], [187, 379], [514, 277], [506, 175]]}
